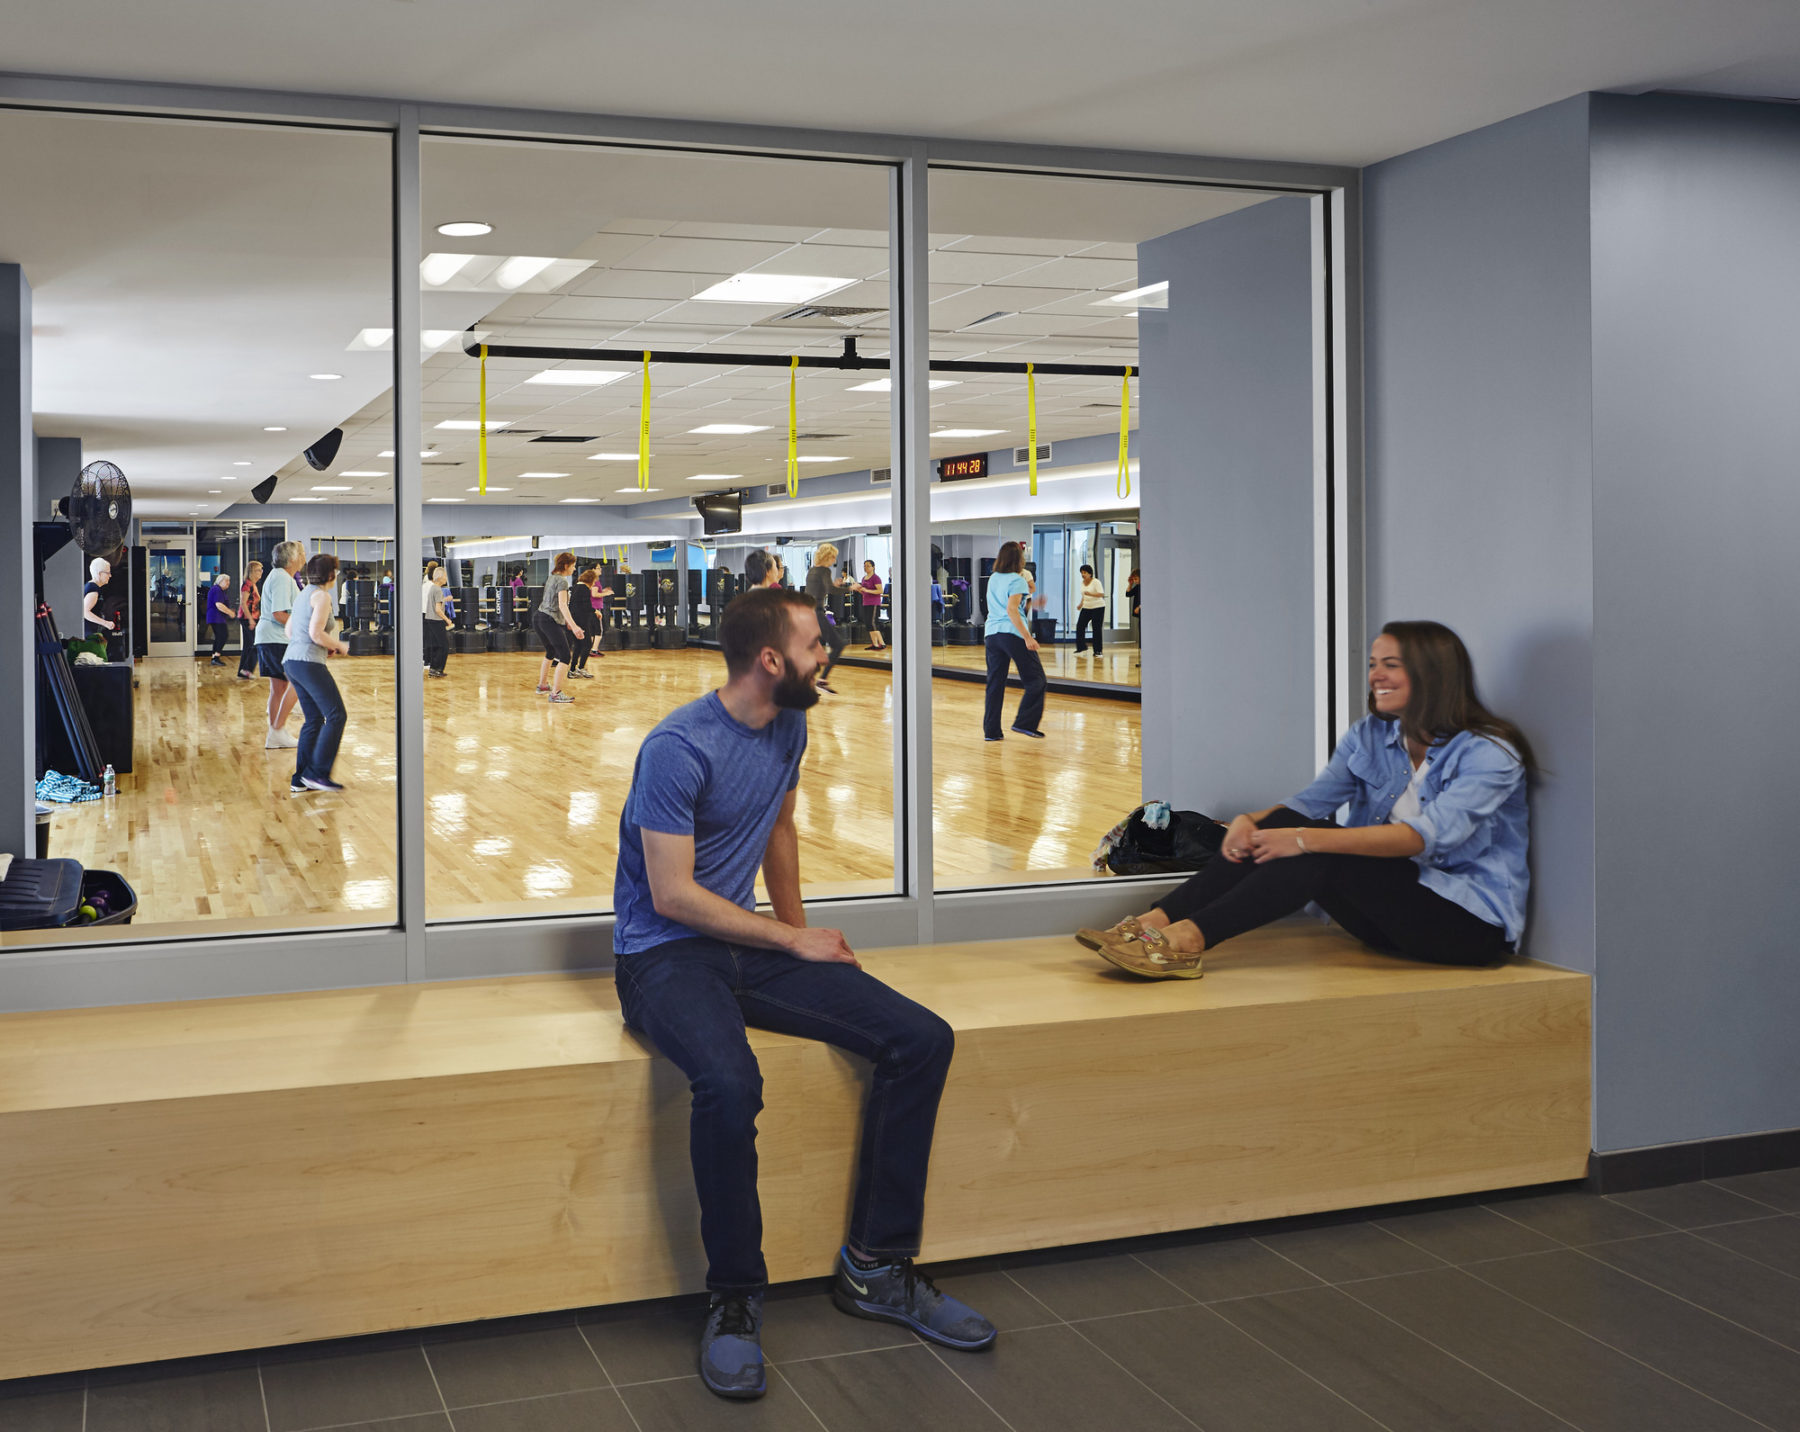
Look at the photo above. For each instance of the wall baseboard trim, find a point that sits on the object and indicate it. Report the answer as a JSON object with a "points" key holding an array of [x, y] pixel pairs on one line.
{"points": [[1632, 1169]]}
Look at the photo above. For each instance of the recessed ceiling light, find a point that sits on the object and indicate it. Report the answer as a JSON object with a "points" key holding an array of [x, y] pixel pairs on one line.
{"points": [[435, 338], [274, 430], [580, 499], [327, 487], [240, 464], [436, 270], [771, 288], [731, 429], [212, 492], [469, 425], [716, 477], [388, 453], [968, 432], [543, 474], [443, 499], [1153, 295], [886, 385], [491, 488], [324, 377], [632, 491], [821, 457], [374, 337], [306, 499], [577, 377], [464, 229], [363, 472], [614, 457], [229, 477], [520, 270]]}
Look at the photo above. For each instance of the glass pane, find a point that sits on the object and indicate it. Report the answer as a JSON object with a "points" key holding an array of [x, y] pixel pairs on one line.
{"points": [[168, 596], [201, 336], [724, 259], [1060, 274]]}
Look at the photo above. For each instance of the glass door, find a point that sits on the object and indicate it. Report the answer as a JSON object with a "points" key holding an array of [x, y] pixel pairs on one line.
{"points": [[170, 563]]}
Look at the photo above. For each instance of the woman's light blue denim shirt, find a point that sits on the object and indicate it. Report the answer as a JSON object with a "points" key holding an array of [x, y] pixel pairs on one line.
{"points": [[1472, 814]]}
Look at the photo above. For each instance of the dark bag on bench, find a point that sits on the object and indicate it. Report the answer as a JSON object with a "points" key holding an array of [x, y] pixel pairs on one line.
{"points": [[1179, 840]]}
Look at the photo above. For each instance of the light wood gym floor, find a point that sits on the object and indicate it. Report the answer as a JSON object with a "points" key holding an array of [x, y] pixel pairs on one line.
{"points": [[522, 799], [1117, 667]]}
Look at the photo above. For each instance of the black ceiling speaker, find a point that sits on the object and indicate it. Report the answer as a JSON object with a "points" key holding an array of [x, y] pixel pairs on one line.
{"points": [[264, 490], [100, 509], [324, 452]]}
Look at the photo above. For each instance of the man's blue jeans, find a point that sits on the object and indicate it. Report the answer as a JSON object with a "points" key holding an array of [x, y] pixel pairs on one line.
{"points": [[693, 999]]}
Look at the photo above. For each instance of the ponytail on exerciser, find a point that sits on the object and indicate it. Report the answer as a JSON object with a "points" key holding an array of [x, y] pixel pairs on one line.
{"points": [[1443, 700]]}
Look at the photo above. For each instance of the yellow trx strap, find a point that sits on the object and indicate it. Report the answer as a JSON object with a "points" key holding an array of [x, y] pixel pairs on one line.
{"points": [[793, 467], [643, 436], [1031, 420], [481, 442], [1124, 483]]}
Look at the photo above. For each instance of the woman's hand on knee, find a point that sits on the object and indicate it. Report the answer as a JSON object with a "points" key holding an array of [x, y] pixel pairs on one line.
{"points": [[1238, 837], [1278, 844]]}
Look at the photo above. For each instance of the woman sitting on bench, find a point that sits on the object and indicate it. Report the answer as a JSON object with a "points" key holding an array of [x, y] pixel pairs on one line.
{"points": [[1429, 866]]}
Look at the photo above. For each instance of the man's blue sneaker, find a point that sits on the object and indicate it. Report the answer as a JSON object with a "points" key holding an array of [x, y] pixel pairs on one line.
{"points": [[731, 1355], [898, 1292]]}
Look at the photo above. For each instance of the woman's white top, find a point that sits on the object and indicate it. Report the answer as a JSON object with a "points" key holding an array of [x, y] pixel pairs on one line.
{"points": [[1092, 594], [1407, 807]]}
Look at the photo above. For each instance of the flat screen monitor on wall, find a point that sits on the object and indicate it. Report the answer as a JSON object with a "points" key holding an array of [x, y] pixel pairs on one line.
{"points": [[720, 512]]}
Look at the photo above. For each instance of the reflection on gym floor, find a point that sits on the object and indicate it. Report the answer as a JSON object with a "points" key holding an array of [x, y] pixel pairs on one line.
{"points": [[522, 800], [1117, 666]]}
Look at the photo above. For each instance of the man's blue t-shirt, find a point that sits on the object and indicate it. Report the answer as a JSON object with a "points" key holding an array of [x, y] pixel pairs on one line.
{"points": [[703, 773]]}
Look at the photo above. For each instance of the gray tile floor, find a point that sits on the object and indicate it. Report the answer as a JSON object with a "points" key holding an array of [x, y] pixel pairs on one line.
{"points": [[1674, 1308]]}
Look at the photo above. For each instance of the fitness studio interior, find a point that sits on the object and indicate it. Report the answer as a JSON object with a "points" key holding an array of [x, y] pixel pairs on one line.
{"points": [[1292, 498], [1057, 316]]}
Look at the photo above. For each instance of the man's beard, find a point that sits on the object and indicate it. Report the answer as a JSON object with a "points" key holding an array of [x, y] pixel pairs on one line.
{"points": [[794, 692]]}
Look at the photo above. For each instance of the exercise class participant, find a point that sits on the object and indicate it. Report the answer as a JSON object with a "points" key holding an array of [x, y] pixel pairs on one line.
{"points": [[712, 799], [1010, 642], [312, 637], [821, 582], [552, 622], [871, 604], [1092, 613], [219, 615], [249, 608], [762, 569], [279, 594], [436, 616], [92, 623], [581, 607], [1431, 865]]}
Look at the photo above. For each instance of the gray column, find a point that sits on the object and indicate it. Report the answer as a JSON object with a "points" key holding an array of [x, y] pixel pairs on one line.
{"points": [[65, 574], [18, 487]]}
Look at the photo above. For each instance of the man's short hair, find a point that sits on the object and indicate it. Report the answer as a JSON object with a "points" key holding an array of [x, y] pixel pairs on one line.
{"points": [[757, 566], [761, 617], [95, 566]]}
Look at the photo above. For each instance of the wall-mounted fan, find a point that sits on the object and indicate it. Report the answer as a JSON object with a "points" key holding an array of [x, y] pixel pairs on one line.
{"points": [[99, 509]]}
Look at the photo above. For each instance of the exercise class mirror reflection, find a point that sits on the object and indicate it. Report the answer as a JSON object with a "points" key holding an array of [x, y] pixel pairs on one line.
{"points": [[199, 294]]}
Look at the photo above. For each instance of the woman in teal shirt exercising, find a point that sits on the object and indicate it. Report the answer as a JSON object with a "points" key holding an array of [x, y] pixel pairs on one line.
{"points": [[1010, 643]]}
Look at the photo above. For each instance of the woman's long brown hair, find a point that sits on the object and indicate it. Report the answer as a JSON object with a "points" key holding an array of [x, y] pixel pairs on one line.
{"points": [[1443, 700]]}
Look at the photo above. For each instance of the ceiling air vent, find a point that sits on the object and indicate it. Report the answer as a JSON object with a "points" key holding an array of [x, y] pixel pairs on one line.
{"points": [[566, 438], [777, 489], [997, 313], [1022, 455], [882, 477], [820, 437], [440, 464], [844, 315]]}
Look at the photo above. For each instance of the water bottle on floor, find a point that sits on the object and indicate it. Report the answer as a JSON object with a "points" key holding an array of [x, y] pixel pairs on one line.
{"points": [[109, 782]]}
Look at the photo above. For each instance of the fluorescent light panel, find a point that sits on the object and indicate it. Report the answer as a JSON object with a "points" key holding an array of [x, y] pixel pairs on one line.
{"points": [[491, 488], [1152, 295], [968, 432], [614, 457], [363, 472], [634, 491], [731, 429], [438, 269], [577, 377], [886, 385], [716, 477], [771, 288]]}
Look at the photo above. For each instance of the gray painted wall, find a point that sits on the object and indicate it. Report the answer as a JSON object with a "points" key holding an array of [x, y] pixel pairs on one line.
{"points": [[1696, 216], [1583, 431], [1226, 445], [18, 460], [65, 574], [1479, 419]]}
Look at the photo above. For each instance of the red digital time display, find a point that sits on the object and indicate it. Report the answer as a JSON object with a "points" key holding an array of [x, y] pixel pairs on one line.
{"points": [[957, 469]]}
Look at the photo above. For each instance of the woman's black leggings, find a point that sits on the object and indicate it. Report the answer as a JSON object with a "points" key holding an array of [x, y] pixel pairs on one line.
{"points": [[1380, 901]]}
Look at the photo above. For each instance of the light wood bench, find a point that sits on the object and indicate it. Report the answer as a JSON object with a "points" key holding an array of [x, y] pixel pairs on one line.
{"points": [[187, 1178]]}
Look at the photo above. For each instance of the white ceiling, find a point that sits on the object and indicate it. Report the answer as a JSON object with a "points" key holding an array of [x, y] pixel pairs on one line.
{"points": [[1348, 81]]}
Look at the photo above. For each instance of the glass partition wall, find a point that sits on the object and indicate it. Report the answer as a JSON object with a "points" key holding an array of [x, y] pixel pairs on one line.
{"points": [[198, 294], [604, 334]]}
